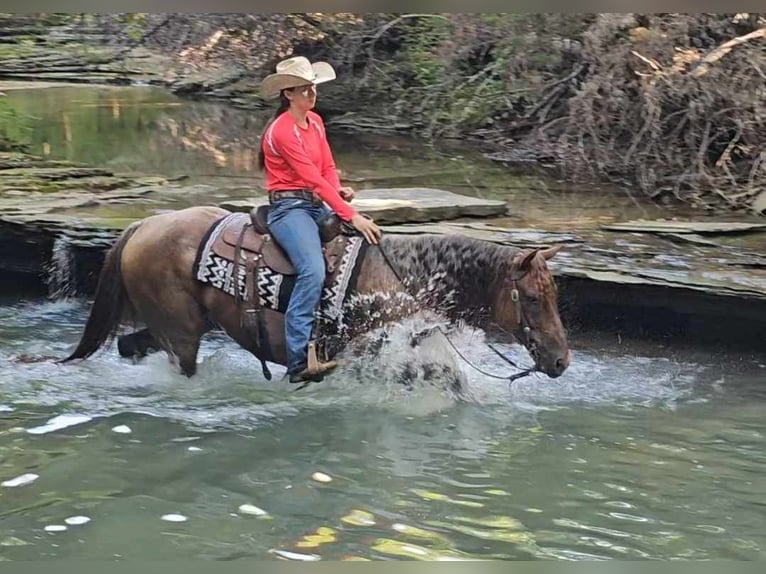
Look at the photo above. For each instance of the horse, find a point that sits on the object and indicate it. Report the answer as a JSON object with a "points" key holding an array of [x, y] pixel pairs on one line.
{"points": [[148, 277]]}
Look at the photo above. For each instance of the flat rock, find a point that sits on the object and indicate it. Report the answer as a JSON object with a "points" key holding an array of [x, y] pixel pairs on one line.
{"points": [[759, 205], [407, 204], [486, 232], [654, 261], [659, 226]]}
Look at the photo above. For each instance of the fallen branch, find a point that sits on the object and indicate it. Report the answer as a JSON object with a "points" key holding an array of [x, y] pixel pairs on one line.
{"points": [[704, 66], [652, 62], [552, 96]]}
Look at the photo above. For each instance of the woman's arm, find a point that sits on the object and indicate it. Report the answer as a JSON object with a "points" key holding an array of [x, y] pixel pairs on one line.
{"points": [[293, 153]]}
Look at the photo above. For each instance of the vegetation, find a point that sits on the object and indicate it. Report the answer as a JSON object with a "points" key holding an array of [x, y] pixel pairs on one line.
{"points": [[14, 128], [673, 103]]}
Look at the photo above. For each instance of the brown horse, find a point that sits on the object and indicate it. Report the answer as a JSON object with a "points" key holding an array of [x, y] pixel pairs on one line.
{"points": [[148, 278]]}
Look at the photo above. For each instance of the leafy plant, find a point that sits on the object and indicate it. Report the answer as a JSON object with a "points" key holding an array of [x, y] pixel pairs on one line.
{"points": [[14, 128]]}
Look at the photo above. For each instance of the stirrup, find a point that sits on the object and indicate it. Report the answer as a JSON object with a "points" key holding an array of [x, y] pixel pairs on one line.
{"points": [[314, 365], [315, 369]]}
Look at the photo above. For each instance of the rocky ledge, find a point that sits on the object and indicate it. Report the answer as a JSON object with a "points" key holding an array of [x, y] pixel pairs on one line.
{"points": [[695, 279], [48, 205], [406, 205]]}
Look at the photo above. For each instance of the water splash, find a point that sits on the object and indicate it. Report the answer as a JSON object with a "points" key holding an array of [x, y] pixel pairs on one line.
{"points": [[60, 270], [382, 370], [388, 357]]}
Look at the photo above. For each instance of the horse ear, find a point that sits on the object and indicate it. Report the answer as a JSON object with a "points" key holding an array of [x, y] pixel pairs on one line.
{"points": [[551, 251], [527, 261]]}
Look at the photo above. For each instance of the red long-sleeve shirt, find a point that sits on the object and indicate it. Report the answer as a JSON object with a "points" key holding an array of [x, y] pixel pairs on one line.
{"points": [[300, 158]]}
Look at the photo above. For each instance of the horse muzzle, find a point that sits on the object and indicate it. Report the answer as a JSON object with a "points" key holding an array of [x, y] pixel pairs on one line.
{"points": [[560, 364], [552, 364]]}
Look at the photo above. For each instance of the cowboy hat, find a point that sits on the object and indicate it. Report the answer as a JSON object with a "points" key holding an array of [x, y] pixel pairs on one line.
{"points": [[294, 72]]}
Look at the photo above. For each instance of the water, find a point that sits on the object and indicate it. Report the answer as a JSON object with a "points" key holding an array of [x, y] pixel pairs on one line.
{"points": [[638, 451], [633, 453], [147, 130], [60, 271]]}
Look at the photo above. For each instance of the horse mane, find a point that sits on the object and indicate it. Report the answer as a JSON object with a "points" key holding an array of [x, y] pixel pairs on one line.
{"points": [[454, 274]]}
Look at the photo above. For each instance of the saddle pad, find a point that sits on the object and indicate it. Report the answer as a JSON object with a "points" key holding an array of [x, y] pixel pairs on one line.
{"points": [[274, 289]]}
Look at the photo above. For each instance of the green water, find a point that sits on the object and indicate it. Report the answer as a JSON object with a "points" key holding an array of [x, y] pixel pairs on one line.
{"points": [[633, 453], [638, 451], [214, 148]]}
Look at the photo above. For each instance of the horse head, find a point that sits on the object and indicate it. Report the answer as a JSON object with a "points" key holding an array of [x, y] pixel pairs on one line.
{"points": [[527, 306]]}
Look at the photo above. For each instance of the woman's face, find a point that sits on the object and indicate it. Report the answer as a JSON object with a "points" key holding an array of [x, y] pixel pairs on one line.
{"points": [[303, 97]]}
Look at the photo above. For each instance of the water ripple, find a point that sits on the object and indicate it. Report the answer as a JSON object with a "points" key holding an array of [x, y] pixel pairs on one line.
{"points": [[622, 457]]}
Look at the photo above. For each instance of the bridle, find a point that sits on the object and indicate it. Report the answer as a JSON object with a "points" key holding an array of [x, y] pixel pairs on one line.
{"points": [[521, 320]]}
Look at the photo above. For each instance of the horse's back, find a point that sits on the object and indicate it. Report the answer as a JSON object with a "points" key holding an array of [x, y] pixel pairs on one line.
{"points": [[182, 228], [161, 252]]}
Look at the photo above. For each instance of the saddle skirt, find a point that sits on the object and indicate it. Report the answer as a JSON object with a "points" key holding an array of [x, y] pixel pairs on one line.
{"points": [[265, 277]]}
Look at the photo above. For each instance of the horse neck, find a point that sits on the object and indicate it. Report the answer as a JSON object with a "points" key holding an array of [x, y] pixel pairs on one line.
{"points": [[456, 275]]}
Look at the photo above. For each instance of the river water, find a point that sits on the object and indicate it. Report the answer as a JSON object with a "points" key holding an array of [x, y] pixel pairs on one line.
{"points": [[638, 451]]}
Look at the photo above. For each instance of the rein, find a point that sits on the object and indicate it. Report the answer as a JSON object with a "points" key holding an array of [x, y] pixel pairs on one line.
{"points": [[520, 318]]}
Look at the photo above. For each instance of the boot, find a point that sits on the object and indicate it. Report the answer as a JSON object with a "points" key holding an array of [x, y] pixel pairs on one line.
{"points": [[313, 375], [315, 369]]}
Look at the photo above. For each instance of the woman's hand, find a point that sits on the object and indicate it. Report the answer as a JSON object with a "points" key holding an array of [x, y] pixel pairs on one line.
{"points": [[347, 193], [367, 227]]}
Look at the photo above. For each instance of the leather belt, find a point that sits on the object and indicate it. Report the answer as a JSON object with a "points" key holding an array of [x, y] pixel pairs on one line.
{"points": [[306, 194]]}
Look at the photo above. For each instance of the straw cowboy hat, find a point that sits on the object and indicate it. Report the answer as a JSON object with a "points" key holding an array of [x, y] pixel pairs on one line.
{"points": [[293, 72]]}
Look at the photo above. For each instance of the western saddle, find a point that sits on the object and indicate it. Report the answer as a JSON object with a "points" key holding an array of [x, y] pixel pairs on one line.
{"points": [[250, 243]]}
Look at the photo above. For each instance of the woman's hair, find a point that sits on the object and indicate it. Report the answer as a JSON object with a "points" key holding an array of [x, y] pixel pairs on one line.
{"points": [[284, 105]]}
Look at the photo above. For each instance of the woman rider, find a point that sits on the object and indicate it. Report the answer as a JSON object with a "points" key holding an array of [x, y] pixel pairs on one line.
{"points": [[302, 182]]}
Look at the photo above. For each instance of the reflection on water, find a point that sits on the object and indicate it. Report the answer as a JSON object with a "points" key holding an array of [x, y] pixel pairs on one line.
{"points": [[139, 129], [150, 131], [623, 457]]}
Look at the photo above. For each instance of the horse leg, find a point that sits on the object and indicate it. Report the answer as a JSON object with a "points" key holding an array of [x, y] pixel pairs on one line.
{"points": [[137, 345], [183, 351], [180, 339], [175, 323]]}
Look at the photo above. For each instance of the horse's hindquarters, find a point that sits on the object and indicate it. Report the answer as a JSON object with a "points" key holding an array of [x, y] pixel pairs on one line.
{"points": [[157, 270]]}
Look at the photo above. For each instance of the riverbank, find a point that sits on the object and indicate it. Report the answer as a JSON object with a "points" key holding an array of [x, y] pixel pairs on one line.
{"points": [[647, 279], [599, 97], [678, 279]]}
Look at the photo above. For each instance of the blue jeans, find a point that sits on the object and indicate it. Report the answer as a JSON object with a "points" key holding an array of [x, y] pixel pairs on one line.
{"points": [[294, 223]]}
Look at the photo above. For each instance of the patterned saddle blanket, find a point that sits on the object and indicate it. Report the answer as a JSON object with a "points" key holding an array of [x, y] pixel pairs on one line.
{"points": [[272, 276]]}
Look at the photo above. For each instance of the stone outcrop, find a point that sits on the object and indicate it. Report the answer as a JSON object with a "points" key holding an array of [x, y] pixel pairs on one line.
{"points": [[408, 204], [647, 277]]}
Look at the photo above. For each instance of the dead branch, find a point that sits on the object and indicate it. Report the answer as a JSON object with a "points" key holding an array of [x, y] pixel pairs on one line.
{"points": [[652, 63], [388, 25], [552, 95], [719, 52]]}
